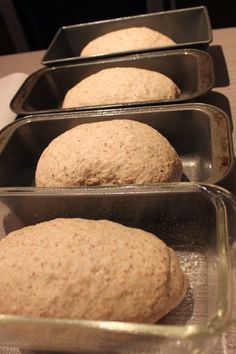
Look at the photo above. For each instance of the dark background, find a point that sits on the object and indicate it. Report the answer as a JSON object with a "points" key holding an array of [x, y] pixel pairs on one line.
{"points": [[31, 24]]}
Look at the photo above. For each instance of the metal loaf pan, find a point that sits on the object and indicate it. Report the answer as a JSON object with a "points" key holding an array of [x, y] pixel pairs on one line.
{"points": [[198, 222], [44, 90], [200, 133], [187, 27]]}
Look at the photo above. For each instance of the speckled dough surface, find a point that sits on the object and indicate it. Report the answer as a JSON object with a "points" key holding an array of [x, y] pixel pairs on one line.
{"points": [[86, 269], [121, 85], [115, 152], [126, 39]]}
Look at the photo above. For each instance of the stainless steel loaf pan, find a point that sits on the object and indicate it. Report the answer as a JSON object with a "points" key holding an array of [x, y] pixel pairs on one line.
{"points": [[44, 90], [198, 221], [200, 133], [187, 27]]}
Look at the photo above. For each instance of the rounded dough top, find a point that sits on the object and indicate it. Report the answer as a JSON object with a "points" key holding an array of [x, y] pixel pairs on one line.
{"points": [[88, 269], [121, 85], [112, 152], [126, 39]]}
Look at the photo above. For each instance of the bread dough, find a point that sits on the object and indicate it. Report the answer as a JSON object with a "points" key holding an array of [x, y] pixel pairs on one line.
{"points": [[115, 152], [87, 269], [126, 39], [121, 85]]}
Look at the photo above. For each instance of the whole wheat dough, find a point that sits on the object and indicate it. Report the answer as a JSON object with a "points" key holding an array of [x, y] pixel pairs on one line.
{"points": [[112, 152], [132, 38], [121, 85], [86, 269]]}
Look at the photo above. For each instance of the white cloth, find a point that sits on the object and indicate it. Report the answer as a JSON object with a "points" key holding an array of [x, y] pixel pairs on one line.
{"points": [[8, 87]]}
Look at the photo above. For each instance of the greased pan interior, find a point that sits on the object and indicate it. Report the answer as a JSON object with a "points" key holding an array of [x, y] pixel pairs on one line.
{"points": [[187, 27], [200, 133], [44, 90]]}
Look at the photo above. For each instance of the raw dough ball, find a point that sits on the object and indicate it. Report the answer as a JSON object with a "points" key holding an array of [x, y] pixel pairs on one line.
{"points": [[126, 39], [121, 85], [87, 269], [115, 152]]}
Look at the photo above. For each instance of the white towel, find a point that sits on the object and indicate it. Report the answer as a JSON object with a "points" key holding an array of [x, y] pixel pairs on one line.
{"points": [[8, 87]]}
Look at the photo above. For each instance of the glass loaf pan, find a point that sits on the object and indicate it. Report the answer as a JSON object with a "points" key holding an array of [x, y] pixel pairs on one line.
{"points": [[200, 133], [189, 28], [198, 221], [44, 90]]}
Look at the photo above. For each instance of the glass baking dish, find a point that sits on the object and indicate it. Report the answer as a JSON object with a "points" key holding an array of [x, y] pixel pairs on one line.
{"points": [[198, 221]]}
